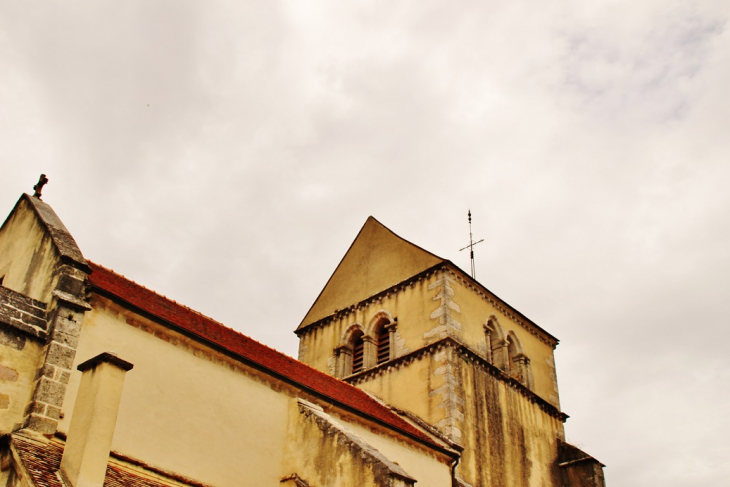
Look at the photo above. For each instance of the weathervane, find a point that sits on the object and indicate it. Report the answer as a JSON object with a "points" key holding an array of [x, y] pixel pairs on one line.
{"points": [[471, 245], [39, 187]]}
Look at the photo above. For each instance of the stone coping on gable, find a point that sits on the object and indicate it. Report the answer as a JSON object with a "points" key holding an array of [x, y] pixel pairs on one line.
{"points": [[467, 353], [62, 238]]}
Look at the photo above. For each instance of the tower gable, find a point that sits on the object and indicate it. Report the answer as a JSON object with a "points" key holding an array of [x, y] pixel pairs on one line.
{"points": [[376, 260]]}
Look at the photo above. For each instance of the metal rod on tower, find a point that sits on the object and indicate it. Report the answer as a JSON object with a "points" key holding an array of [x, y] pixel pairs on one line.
{"points": [[471, 245]]}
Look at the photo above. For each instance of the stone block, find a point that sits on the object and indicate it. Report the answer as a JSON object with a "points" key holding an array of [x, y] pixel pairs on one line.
{"points": [[47, 371], [53, 412], [66, 326], [43, 425], [60, 355], [20, 301], [8, 374], [7, 313], [70, 284], [50, 392], [72, 271], [65, 376], [36, 311], [29, 319], [71, 341], [35, 407]]}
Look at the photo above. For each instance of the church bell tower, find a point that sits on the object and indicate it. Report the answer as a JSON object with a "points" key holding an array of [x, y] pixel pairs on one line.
{"points": [[426, 338]]}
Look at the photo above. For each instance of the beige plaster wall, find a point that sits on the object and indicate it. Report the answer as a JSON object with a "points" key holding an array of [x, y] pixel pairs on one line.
{"points": [[321, 453], [321, 458], [428, 470], [19, 361], [202, 415], [28, 256], [183, 410], [412, 387], [376, 260]]}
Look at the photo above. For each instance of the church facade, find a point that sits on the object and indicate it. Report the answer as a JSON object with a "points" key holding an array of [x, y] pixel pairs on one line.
{"points": [[410, 372]]}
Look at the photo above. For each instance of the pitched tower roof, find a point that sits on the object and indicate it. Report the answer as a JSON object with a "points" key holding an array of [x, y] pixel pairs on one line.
{"points": [[376, 260]]}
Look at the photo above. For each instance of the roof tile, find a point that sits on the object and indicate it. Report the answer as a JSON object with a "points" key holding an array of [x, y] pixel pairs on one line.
{"points": [[42, 463]]}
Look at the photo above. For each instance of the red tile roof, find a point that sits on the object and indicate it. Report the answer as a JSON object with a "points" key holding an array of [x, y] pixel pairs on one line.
{"points": [[250, 350], [43, 461]]}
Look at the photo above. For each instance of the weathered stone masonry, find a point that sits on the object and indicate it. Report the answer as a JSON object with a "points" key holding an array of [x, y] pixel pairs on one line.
{"points": [[22, 313], [55, 325], [67, 310], [23, 317]]}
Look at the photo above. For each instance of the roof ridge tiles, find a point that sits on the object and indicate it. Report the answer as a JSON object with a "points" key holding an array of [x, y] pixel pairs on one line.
{"points": [[208, 318], [177, 303]]}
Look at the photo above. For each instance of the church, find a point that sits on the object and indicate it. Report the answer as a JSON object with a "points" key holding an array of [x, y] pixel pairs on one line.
{"points": [[410, 373]]}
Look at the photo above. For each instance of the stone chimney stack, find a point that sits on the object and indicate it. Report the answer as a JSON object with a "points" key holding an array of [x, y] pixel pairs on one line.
{"points": [[94, 419]]}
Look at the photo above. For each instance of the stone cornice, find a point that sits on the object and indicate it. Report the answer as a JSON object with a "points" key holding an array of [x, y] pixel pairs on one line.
{"points": [[464, 279], [502, 306], [466, 353], [375, 298]]}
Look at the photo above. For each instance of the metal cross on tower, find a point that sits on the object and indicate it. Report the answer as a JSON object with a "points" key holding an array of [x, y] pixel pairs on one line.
{"points": [[471, 245]]}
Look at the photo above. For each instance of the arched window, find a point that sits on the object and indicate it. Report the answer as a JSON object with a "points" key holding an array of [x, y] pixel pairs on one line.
{"points": [[382, 329], [358, 352], [518, 364], [350, 354], [496, 345]]}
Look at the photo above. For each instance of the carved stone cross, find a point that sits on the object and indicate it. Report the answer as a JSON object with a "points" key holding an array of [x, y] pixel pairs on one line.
{"points": [[39, 187]]}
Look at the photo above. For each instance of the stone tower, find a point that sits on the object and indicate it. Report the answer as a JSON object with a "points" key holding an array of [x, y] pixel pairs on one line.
{"points": [[420, 334]]}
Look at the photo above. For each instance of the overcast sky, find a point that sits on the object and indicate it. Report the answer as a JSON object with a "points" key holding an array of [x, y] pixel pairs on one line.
{"points": [[226, 153]]}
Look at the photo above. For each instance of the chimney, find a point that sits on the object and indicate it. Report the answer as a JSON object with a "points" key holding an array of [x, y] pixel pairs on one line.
{"points": [[94, 418]]}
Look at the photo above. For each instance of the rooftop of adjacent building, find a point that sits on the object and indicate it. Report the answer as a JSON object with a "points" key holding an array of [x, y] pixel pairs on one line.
{"points": [[42, 461]]}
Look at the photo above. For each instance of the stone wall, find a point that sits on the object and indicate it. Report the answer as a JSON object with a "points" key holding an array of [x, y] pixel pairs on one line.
{"points": [[509, 434], [65, 317], [23, 328], [23, 313]]}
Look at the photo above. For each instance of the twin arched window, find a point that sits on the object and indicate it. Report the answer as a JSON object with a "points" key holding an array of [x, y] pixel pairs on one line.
{"points": [[506, 353], [360, 351]]}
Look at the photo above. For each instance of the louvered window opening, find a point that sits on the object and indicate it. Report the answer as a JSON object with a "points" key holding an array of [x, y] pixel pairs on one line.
{"points": [[383, 346], [357, 355]]}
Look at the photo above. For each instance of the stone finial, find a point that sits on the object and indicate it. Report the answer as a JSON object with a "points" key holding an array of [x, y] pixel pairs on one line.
{"points": [[39, 186]]}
